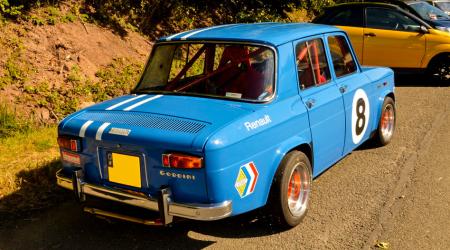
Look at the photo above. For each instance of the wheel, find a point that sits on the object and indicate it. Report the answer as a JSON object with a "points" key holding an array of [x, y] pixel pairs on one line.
{"points": [[290, 191], [439, 69], [386, 125]]}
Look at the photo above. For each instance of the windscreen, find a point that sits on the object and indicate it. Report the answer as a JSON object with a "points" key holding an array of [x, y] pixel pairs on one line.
{"points": [[445, 6], [428, 11], [232, 71]]}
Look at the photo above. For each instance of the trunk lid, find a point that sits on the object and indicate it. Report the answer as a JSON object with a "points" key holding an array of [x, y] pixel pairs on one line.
{"points": [[175, 122]]}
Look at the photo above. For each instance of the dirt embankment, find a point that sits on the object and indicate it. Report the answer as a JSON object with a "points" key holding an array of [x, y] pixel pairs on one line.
{"points": [[37, 62]]}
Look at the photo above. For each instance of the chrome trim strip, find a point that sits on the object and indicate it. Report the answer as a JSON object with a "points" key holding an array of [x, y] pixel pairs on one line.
{"points": [[100, 131], [208, 212], [145, 171], [204, 212], [84, 127], [142, 102], [99, 166], [125, 102]]}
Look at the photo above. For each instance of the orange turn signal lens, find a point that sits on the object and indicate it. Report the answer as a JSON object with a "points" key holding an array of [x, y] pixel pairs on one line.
{"points": [[182, 161], [69, 143]]}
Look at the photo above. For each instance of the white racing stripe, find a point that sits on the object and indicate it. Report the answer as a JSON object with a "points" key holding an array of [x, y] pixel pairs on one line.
{"points": [[177, 34], [100, 130], [205, 29], [142, 102], [84, 127], [125, 102]]}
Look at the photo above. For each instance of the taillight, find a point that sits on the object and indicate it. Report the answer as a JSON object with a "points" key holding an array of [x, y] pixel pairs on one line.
{"points": [[176, 160], [68, 143]]}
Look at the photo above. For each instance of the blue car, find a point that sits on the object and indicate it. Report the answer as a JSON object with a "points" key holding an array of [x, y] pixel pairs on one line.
{"points": [[225, 120]]}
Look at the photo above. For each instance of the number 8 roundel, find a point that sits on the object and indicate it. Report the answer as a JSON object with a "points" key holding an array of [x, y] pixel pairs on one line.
{"points": [[360, 115]]}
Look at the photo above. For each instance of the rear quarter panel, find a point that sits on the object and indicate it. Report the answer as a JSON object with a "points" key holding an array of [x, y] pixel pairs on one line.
{"points": [[384, 84], [236, 145]]}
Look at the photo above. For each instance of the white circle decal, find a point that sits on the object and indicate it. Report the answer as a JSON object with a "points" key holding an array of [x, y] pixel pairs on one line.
{"points": [[360, 115]]}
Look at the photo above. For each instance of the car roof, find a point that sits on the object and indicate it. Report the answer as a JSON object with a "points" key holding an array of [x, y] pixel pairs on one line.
{"points": [[266, 33], [404, 8], [365, 4], [398, 2]]}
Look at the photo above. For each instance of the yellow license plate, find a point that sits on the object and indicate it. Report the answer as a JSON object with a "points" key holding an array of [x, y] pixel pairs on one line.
{"points": [[125, 169]]}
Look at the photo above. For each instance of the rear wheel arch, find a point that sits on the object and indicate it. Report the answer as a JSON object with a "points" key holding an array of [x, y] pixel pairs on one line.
{"points": [[439, 68], [391, 95], [305, 148], [288, 200]]}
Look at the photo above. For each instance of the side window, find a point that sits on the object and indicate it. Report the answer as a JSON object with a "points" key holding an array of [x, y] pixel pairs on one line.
{"points": [[312, 65], [379, 18], [343, 62], [349, 17]]}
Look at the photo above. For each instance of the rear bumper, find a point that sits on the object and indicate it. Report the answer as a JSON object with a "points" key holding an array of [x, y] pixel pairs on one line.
{"points": [[164, 204]]}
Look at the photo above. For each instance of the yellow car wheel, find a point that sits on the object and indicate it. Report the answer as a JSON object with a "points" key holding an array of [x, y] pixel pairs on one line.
{"points": [[439, 69]]}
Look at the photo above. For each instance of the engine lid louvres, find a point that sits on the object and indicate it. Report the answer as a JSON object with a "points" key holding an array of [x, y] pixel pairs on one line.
{"points": [[147, 120]]}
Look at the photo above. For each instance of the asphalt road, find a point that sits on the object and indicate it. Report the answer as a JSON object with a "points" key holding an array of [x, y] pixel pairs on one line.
{"points": [[398, 194]]}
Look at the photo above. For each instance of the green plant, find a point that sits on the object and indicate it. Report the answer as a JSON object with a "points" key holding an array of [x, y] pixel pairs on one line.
{"points": [[69, 18], [6, 9], [15, 71], [51, 20], [10, 123], [117, 78], [27, 179], [53, 11], [74, 74], [38, 21]]}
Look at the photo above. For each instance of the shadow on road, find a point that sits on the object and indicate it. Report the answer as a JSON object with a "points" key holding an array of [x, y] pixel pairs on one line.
{"points": [[36, 191], [41, 215], [417, 80], [67, 227]]}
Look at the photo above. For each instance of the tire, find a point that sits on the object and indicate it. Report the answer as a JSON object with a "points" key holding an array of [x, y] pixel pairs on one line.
{"points": [[289, 197], [439, 69], [386, 124]]}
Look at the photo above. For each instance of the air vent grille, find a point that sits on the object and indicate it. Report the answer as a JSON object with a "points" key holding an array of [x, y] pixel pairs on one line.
{"points": [[144, 120]]}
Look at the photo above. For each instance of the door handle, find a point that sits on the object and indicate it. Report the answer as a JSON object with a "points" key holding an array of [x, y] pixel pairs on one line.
{"points": [[371, 34], [343, 89], [310, 103]]}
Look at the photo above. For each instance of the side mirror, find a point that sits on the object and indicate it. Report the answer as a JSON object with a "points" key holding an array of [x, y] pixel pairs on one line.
{"points": [[423, 30]]}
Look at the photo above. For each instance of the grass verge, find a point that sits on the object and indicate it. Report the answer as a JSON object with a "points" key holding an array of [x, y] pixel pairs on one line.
{"points": [[28, 163]]}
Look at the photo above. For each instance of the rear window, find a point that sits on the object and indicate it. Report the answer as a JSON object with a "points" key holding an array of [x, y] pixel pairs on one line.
{"points": [[232, 71]]}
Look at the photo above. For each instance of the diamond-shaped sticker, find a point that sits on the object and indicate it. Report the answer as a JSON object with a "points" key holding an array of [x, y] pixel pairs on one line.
{"points": [[246, 180]]}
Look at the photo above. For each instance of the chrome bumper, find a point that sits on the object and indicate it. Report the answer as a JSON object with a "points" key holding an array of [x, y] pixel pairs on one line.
{"points": [[164, 204]]}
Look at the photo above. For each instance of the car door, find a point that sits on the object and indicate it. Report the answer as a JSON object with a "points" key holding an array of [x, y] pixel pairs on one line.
{"points": [[358, 92], [323, 101], [392, 39]]}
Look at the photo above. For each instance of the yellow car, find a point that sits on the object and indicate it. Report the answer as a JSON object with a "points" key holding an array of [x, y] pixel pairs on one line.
{"points": [[385, 35]]}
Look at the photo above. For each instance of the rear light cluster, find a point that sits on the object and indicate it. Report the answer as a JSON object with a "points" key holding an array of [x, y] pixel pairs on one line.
{"points": [[177, 160], [68, 143]]}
